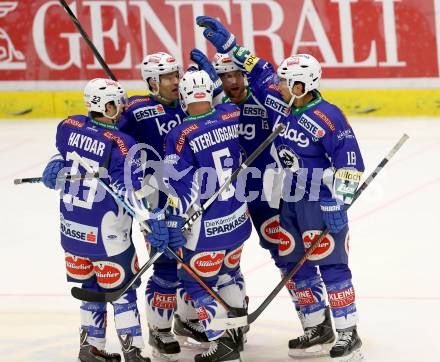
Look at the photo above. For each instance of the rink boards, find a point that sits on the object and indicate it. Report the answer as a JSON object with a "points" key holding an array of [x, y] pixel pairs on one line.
{"points": [[358, 102]]}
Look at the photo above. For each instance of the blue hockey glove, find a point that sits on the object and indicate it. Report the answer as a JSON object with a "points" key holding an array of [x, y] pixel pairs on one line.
{"points": [[51, 171], [334, 214], [175, 223], [204, 64], [222, 39], [158, 237]]}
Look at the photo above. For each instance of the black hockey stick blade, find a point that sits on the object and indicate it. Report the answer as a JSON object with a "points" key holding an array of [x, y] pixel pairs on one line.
{"points": [[101, 297], [228, 323]]}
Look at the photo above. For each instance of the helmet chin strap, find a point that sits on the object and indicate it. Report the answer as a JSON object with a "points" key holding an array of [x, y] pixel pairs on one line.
{"points": [[294, 96], [113, 118]]}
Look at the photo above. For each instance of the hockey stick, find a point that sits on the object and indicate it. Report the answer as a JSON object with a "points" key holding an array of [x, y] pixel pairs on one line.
{"points": [[32, 180], [229, 323], [92, 296], [87, 40]]}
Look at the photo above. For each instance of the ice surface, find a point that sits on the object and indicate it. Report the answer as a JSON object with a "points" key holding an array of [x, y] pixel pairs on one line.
{"points": [[395, 250]]}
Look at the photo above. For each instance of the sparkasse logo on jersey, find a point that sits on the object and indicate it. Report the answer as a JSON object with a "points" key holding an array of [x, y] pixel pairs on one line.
{"points": [[148, 112], [80, 232]]}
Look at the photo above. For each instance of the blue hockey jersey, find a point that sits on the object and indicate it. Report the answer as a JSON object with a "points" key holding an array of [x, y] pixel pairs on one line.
{"points": [[317, 140], [201, 154], [92, 224], [148, 121]]}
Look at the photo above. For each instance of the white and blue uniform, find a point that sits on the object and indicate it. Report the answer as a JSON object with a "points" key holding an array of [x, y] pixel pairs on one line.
{"points": [[200, 154], [95, 231], [149, 121], [317, 142]]}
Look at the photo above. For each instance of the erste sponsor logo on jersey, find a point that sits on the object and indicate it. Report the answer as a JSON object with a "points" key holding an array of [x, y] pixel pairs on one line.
{"points": [[226, 224], [305, 296], [164, 301], [80, 232], [253, 110], [270, 229], [183, 135], [341, 298], [325, 247], [78, 267], [247, 131], [109, 274], [232, 259], [208, 263], [294, 135], [148, 112], [74, 123], [325, 119], [286, 242], [277, 105], [311, 126], [118, 140]]}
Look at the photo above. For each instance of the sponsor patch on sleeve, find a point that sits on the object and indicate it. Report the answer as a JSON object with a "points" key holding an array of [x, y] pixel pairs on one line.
{"points": [[325, 119], [230, 115], [182, 137], [136, 101], [118, 140], [250, 62], [74, 123]]}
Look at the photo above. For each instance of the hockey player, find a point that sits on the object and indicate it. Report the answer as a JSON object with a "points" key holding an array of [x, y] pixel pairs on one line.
{"points": [[95, 231], [262, 194], [149, 119], [206, 147], [324, 165]]}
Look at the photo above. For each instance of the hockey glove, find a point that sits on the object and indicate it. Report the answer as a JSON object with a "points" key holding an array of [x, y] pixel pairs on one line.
{"points": [[334, 214], [222, 39], [204, 64], [51, 171], [158, 237], [177, 239]]}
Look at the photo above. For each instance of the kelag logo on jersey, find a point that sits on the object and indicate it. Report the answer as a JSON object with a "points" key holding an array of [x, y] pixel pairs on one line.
{"points": [[80, 232], [252, 110], [293, 135], [312, 127], [165, 127], [277, 105], [226, 224], [247, 131], [148, 112]]}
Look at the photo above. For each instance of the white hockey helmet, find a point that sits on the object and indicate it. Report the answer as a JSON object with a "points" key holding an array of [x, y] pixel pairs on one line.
{"points": [[195, 86], [223, 63], [302, 68], [156, 64], [100, 91]]}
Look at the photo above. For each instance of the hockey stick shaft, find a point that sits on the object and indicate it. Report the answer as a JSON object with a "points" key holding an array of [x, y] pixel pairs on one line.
{"points": [[76, 292], [221, 324], [93, 296], [32, 180], [278, 129], [87, 40]]}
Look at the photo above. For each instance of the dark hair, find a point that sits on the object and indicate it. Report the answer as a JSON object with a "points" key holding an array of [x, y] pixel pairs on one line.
{"points": [[96, 114]]}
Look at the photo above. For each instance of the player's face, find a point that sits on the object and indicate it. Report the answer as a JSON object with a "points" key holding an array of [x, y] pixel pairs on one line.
{"points": [[284, 90], [233, 84], [169, 86]]}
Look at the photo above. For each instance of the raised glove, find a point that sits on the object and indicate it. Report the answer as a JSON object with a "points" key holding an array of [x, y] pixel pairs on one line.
{"points": [[222, 39], [51, 171], [334, 214], [204, 64], [158, 237]]}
